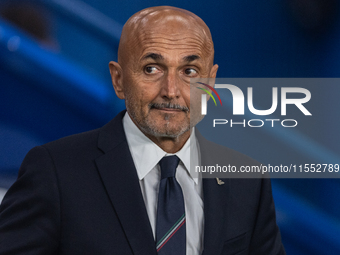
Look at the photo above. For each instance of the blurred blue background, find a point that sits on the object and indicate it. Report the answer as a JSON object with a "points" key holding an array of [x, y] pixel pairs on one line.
{"points": [[55, 82]]}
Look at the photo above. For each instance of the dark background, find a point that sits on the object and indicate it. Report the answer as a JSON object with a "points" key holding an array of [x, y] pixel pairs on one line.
{"points": [[54, 81]]}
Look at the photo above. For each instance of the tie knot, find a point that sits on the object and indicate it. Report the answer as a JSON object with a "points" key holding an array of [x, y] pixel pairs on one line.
{"points": [[168, 166]]}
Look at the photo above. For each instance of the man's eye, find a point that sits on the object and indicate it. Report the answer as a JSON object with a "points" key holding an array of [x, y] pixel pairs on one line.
{"points": [[190, 72], [151, 70]]}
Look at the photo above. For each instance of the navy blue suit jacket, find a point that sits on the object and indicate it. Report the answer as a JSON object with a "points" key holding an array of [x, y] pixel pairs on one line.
{"points": [[81, 195]]}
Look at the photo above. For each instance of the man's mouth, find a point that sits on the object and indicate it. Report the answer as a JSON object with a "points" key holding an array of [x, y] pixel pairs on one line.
{"points": [[168, 107]]}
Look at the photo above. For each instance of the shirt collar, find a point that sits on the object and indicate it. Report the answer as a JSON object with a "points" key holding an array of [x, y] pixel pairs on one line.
{"points": [[146, 154]]}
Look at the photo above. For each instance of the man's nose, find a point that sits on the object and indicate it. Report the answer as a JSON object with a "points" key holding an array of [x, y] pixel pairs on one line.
{"points": [[170, 87]]}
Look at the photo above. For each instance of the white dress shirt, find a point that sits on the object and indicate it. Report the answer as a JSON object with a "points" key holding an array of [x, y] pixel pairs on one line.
{"points": [[146, 156]]}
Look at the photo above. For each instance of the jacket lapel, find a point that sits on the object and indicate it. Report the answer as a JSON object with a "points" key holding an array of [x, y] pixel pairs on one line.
{"points": [[120, 179], [215, 202]]}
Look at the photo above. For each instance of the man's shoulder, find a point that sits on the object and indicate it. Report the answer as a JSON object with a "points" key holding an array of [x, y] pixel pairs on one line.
{"points": [[80, 140], [89, 140]]}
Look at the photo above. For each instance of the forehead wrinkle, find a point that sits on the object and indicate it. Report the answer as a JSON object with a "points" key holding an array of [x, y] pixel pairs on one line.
{"points": [[156, 39], [180, 34], [170, 46], [154, 34], [193, 48], [195, 27], [135, 30]]}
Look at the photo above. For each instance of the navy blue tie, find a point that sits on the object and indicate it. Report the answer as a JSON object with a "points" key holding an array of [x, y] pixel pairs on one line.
{"points": [[170, 226]]}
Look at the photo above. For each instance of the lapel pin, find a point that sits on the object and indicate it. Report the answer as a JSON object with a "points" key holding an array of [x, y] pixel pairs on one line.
{"points": [[219, 182]]}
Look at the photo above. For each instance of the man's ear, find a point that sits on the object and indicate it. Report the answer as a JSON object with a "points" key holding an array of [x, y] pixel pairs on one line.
{"points": [[213, 71], [117, 79]]}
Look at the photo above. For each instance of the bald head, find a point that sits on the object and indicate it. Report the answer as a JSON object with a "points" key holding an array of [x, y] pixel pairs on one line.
{"points": [[161, 50], [157, 23]]}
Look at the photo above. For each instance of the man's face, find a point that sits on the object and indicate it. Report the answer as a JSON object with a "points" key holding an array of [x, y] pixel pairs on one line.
{"points": [[156, 77]]}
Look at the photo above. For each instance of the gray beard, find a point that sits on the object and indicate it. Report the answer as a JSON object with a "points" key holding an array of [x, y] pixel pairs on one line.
{"points": [[151, 128]]}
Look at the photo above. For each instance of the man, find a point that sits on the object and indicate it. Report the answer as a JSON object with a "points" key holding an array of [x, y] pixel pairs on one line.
{"points": [[110, 191]]}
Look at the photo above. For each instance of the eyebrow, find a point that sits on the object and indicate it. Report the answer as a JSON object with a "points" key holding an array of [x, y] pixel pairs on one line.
{"points": [[153, 56], [159, 57], [190, 58]]}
